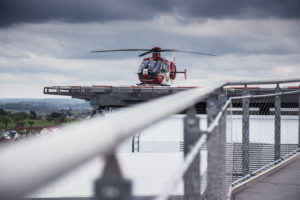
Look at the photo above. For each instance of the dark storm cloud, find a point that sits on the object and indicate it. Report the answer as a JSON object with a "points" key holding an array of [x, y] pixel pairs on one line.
{"points": [[34, 11], [242, 8]]}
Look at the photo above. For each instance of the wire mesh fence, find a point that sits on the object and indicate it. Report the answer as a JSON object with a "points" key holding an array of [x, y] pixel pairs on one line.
{"points": [[245, 134], [271, 132]]}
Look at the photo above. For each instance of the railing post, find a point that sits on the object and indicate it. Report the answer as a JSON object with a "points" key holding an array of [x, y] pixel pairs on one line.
{"points": [[112, 186], [192, 182], [245, 136], [135, 143], [222, 98], [277, 141], [216, 150], [299, 119]]}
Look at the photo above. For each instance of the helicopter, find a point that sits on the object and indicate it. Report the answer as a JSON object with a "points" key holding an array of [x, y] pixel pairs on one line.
{"points": [[156, 70]]}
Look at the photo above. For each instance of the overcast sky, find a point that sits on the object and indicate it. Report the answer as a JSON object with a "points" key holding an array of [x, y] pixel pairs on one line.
{"points": [[47, 42]]}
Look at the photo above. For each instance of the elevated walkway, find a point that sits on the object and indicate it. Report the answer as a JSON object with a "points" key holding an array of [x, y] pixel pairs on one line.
{"points": [[280, 182]]}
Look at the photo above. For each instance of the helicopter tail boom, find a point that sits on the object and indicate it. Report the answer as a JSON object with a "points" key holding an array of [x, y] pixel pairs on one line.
{"points": [[184, 72]]}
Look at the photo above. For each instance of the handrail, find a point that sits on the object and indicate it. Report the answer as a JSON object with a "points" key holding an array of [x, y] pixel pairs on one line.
{"points": [[29, 165], [264, 82], [57, 154]]}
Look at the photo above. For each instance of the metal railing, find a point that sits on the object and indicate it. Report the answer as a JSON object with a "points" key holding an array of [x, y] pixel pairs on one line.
{"points": [[27, 166]]}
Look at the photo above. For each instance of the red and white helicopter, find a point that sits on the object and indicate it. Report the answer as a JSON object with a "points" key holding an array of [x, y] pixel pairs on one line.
{"points": [[156, 70]]}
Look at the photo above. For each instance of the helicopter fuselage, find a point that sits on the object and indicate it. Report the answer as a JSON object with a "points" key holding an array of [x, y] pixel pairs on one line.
{"points": [[156, 70]]}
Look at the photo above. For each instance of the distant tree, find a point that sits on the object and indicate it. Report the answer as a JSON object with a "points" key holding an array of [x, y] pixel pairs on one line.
{"points": [[48, 117], [2, 111], [20, 116], [5, 120], [55, 115], [30, 124], [33, 114], [60, 119]]}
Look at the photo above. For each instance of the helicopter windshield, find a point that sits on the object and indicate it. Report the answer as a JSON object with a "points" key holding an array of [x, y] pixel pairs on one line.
{"points": [[152, 66]]}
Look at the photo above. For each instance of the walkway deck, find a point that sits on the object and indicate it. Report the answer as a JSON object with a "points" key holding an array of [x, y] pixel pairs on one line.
{"points": [[282, 184]]}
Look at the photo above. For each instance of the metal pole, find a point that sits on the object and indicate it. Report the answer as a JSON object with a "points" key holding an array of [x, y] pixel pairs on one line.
{"points": [[277, 142], [245, 137], [215, 151], [192, 181], [112, 186], [299, 119], [222, 98]]}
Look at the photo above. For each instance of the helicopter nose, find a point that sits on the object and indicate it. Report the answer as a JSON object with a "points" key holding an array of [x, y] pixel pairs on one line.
{"points": [[159, 78]]}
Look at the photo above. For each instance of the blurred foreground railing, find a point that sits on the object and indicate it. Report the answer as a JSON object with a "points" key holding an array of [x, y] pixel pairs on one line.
{"points": [[26, 166]]}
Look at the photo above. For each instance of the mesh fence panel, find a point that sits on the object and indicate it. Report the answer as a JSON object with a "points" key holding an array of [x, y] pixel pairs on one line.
{"points": [[263, 125], [245, 135]]}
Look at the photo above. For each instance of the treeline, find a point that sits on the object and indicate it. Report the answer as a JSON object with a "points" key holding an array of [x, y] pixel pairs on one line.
{"points": [[28, 119], [37, 107], [43, 105]]}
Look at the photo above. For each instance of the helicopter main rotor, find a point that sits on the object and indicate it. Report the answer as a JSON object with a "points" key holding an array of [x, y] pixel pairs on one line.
{"points": [[153, 50]]}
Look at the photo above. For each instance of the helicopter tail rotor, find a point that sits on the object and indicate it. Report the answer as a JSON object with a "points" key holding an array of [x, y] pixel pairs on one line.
{"points": [[184, 72]]}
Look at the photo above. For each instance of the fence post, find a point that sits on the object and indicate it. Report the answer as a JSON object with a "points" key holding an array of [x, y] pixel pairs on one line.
{"points": [[299, 119], [277, 138], [216, 149], [192, 182], [112, 186], [222, 98], [245, 136]]}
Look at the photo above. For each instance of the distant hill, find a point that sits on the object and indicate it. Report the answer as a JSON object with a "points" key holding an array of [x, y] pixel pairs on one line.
{"points": [[42, 105]]}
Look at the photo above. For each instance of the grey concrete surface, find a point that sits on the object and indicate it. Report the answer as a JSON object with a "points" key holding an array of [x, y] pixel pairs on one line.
{"points": [[284, 184]]}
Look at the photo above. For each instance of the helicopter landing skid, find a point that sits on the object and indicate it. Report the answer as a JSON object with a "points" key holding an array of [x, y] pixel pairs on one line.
{"points": [[142, 84]]}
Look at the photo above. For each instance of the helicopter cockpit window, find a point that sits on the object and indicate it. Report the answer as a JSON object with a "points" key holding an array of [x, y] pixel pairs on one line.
{"points": [[163, 68], [158, 67], [152, 66], [143, 66]]}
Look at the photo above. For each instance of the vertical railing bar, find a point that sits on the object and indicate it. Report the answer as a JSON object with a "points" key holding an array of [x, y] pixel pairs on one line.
{"points": [[245, 136], [212, 145], [299, 118], [192, 182], [222, 97], [216, 147], [112, 185], [277, 124]]}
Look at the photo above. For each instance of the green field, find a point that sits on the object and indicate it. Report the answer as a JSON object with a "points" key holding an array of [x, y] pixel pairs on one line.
{"points": [[37, 123]]}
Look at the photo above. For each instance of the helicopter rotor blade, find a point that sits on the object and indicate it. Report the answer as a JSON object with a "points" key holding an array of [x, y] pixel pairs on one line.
{"points": [[118, 50], [153, 50], [146, 53], [175, 50]]}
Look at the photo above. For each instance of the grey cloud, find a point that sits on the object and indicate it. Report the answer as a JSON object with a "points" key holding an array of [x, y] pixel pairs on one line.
{"points": [[244, 9], [75, 41], [35, 11]]}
